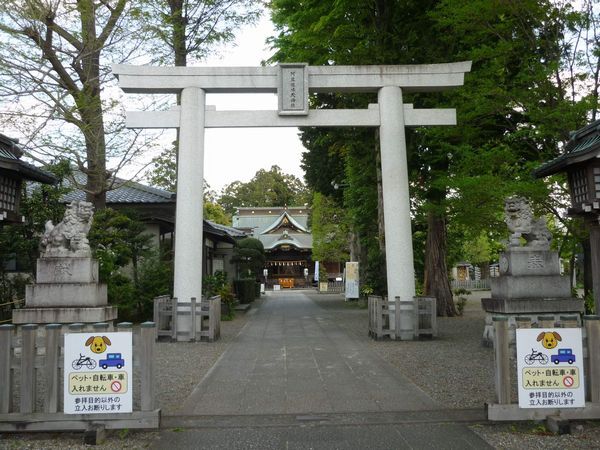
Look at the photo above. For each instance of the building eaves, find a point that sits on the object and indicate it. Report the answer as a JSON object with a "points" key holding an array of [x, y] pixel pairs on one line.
{"points": [[583, 145]]}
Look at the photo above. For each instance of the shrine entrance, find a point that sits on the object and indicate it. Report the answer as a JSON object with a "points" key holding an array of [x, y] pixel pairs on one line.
{"points": [[292, 83]]}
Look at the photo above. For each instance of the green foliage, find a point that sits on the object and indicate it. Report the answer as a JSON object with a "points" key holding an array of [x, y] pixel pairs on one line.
{"points": [[249, 253], [119, 243], [163, 172], [329, 230], [217, 284], [461, 299], [528, 88], [21, 242], [245, 290], [117, 239], [267, 188], [590, 305], [216, 213], [183, 30], [122, 294]]}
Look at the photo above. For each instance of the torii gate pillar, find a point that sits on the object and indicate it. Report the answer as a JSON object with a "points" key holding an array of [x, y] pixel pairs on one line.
{"points": [[396, 202], [292, 82], [189, 242]]}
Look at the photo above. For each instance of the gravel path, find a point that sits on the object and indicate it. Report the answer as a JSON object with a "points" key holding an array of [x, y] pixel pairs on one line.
{"points": [[455, 370]]}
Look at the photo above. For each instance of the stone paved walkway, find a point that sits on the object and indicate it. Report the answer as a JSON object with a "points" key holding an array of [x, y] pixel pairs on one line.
{"points": [[292, 358]]}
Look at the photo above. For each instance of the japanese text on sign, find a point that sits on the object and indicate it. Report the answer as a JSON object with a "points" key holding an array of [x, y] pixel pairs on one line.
{"points": [[550, 369], [98, 370], [293, 90]]}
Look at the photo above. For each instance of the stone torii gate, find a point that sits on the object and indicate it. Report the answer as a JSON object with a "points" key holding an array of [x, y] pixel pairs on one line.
{"points": [[292, 83]]}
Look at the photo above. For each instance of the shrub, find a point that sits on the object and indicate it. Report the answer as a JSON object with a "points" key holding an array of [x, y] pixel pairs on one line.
{"points": [[245, 290]]}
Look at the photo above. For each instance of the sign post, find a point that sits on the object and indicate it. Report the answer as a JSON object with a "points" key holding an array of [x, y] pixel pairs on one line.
{"points": [[352, 284], [98, 371], [550, 368]]}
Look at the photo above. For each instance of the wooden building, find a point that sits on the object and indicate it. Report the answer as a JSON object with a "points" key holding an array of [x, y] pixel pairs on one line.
{"points": [[287, 240]]}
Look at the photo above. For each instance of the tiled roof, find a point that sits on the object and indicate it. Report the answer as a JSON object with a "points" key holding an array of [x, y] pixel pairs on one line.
{"points": [[126, 192], [10, 159], [583, 145], [279, 222], [233, 232]]}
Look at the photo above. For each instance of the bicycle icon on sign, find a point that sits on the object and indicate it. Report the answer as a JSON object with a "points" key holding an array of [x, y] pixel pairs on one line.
{"points": [[83, 361], [534, 356]]}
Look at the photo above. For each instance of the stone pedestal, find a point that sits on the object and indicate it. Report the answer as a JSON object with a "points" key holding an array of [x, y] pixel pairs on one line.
{"points": [[66, 291], [529, 285]]}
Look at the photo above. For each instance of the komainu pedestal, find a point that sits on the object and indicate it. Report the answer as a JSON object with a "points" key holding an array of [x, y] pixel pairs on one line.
{"points": [[67, 289], [530, 283]]}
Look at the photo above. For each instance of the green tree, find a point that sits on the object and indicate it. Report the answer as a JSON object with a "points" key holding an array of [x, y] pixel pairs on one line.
{"points": [[515, 109], [267, 188], [249, 253], [54, 58], [329, 230], [39, 203], [187, 30]]}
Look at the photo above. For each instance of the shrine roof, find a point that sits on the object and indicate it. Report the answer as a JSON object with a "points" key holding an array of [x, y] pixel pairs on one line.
{"points": [[10, 159], [583, 145]]}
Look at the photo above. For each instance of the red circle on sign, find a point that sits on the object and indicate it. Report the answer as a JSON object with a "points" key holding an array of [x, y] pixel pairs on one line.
{"points": [[568, 381], [115, 386]]}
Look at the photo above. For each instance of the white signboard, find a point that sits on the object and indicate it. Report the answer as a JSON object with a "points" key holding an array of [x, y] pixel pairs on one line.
{"points": [[550, 368], [98, 373], [352, 280]]}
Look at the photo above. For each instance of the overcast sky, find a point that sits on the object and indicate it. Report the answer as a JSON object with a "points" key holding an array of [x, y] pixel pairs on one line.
{"points": [[237, 153]]}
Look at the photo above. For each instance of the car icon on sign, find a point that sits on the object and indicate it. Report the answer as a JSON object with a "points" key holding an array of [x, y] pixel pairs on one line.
{"points": [[112, 360], [564, 355]]}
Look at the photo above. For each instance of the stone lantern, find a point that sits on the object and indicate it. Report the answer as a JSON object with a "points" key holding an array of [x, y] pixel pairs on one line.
{"points": [[581, 163], [12, 173]]}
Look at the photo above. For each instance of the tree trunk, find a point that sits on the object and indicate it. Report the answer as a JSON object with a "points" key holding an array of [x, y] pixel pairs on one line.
{"points": [[178, 27], [437, 283], [89, 104], [380, 216]]}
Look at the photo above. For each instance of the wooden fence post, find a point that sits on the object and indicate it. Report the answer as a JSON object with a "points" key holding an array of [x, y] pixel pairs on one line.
{"points": [[592, 327], [147, 344], [51, 367], [546, 322], [174, 319], [28, 381], [194, 323], [156, 304], [523, 322], [6, 336], [502, 357], [99, 327], [570, 321]]}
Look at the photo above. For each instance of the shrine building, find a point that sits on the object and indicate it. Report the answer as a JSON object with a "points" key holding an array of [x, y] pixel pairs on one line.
{"points": [[287, 240]]}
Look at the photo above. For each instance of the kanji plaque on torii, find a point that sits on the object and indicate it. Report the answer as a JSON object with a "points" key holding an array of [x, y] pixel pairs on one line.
{"points": [[390, 114]]}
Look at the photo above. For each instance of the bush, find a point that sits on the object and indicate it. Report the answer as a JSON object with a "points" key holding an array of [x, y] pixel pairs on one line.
{"points": [[216, 284], [245, 290], [122, 294]]}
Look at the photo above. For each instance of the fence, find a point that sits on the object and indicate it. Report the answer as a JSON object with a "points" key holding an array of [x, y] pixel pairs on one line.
{"points": [[6, 310], [471, 284], [422, 311], [40, 382], [504, 362], [205, 323]]}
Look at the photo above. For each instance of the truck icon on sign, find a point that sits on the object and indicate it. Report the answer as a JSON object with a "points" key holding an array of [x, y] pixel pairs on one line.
{"points": [[564, 355], [112, 360]]}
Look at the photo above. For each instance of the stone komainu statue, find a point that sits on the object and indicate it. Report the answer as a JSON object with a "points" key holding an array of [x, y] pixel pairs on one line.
{"points": [[521, 223], [69, 237]]}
